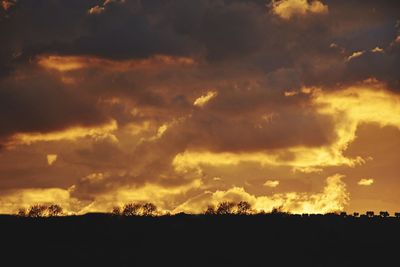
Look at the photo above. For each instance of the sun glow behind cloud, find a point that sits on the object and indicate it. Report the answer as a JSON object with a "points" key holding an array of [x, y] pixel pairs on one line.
{"points": [[333, 198], [366, 103]]}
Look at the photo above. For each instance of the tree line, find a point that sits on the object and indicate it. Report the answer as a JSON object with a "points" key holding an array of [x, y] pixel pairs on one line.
{"points": [[150, 209]]}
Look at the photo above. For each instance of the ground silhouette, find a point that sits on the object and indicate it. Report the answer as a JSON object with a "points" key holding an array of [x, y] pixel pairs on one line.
{"points": [[273, 239]]}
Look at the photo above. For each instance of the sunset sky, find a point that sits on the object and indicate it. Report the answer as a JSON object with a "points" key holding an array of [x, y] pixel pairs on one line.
{"points": [[291, 103]]}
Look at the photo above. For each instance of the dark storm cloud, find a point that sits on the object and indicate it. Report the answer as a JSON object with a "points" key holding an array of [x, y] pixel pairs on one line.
{"points": [[381, 65], [247, 133], [219, 30], [40, 103], [234, 40]]}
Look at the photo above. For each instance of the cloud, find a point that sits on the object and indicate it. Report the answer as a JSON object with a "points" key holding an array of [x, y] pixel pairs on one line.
{"points": [[287, 9], [333, 198], [24, 116], [202, 100], [271, 183], [14, 200], [71, 63], [355, 55], [51, 159], [100, 132], [365, 182], [96, 10], [365, 103], [289, 104]]}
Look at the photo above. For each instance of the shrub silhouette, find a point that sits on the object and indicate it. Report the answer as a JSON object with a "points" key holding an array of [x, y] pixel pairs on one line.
{"points": [[131, 209], [149, 209], [225, 208], [37, 211], [278, 210], [243, 208], [54, 210], [22, 212]]}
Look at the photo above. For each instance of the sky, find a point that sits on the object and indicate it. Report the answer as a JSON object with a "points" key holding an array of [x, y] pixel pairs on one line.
{"points": [[290, 104]]}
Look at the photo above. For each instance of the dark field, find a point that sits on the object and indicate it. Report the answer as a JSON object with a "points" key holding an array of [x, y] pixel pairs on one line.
{"points": [[186, 240]]}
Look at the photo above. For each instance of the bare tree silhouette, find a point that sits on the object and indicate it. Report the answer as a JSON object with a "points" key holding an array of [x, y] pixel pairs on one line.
{"points": [[37, 211], [54, 210], [225, 208], [131, 209], [243, 208], [149, 209], [356, 214]]}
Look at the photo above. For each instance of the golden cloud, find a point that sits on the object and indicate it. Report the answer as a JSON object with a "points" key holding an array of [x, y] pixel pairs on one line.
{"points": [[355, 55], [368, 102], [99, 132], [271, 183], [24, 198], [204, 99], [71, 63], [51, 158], [96, 10], [162, 197], [366, 182], [333, 198], [286, 9]]}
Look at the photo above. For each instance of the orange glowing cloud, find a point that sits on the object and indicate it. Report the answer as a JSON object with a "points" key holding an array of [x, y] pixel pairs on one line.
{"points": [[51, 159], [271, 183], [96, 10], [365, 103], [24, 198], [286, 9], [365, 182], [74, 133], [71, 63], [333, 198], [204, 99]]}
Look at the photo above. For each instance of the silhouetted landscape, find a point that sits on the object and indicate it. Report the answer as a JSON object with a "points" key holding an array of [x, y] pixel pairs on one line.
{"points": [[126, 237]]}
